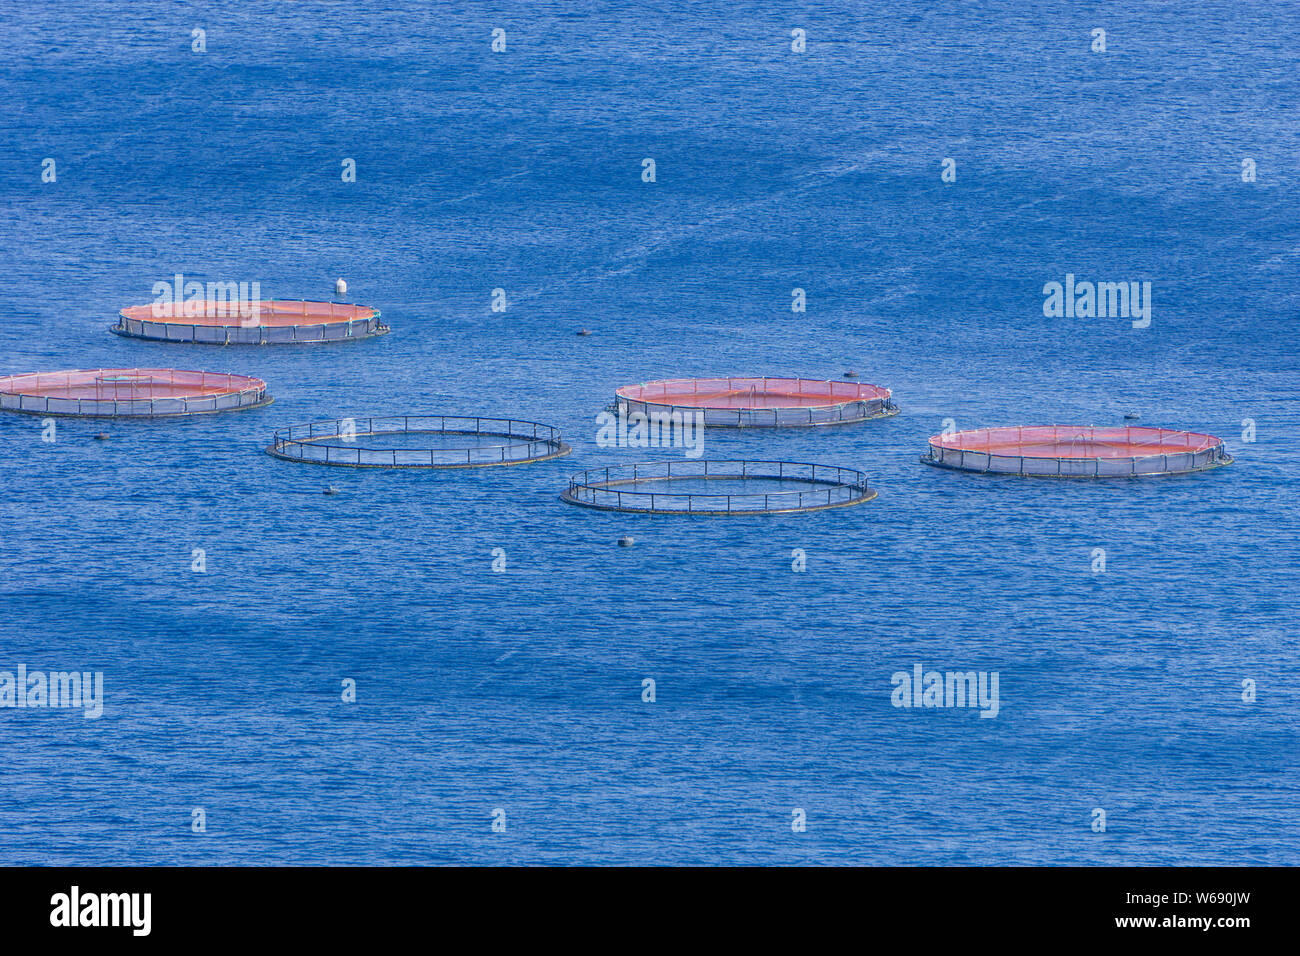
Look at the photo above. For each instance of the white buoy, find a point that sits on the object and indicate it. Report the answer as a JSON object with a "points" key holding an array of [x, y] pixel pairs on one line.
{"points": [[340, 287], [626, 541]]}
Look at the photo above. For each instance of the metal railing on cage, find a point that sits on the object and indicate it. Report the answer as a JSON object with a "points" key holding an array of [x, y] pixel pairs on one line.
{"points": [[596, 486], [312, 441]]}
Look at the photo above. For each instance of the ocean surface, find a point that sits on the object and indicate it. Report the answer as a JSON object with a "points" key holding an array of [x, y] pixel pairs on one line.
{"points": [[521, 690]]}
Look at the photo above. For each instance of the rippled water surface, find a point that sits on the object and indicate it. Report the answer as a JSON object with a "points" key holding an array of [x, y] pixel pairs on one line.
{"points": [[522, 689]]}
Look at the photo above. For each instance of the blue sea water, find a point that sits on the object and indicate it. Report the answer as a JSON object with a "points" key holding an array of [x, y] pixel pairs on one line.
{"points": [[775, 170]]}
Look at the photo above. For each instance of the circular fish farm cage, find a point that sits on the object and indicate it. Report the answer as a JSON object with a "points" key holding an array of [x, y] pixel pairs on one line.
{"points": [[1074, 451], [718, 487], [268, 322], [130, 393], [415, 441], [759, 402]]}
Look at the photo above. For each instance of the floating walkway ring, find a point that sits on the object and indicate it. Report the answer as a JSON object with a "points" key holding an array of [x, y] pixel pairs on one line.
{"points": [[130, 393], [1077, 451], [336, 442], [759, 402], [643, 487]]}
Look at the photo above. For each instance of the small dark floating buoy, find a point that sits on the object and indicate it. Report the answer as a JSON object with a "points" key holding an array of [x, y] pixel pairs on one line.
{"points": [[584, 331], [101, 436], [1131, 416], [626, 541], [850, 374], [331, 490]]}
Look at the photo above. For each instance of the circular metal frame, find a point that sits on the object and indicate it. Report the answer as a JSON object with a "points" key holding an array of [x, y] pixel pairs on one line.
{"points": [[1071, 451], [736, 402], [334, 442], [832, 487], [130, 393], [276, 322]]}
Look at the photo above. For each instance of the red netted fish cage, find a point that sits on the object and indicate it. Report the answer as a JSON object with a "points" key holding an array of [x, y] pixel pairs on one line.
{"points": [[1077, 451], [759, 402], [129, 392], [264, 322]]}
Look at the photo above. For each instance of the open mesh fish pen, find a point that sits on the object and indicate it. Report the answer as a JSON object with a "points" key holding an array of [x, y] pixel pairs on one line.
{"points": [[759, 402], [743, 487], [1074, 451], [268, 322], [494, 441], [130, 392]]}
